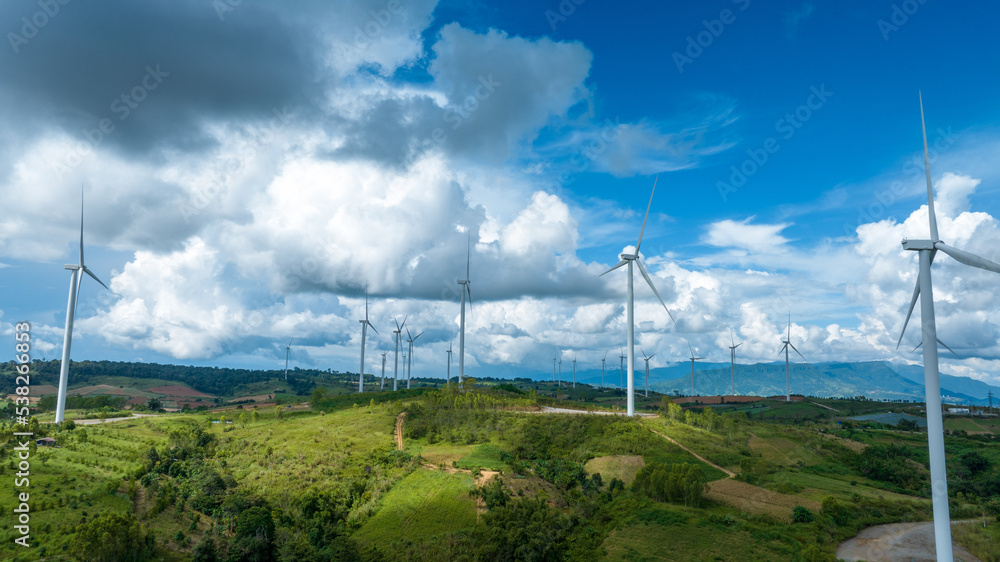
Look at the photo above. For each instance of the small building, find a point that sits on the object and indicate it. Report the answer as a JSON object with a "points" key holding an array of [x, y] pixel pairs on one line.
{"points": [[46, 442]]}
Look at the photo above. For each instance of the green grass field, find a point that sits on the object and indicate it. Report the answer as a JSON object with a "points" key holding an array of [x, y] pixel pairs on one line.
{"points": [[663, 532], [424, 504]]}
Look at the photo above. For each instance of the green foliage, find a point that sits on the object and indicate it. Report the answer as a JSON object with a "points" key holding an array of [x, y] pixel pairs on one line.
{"points": [[113, 537], [974, 462], [888, 463], [802, 515], [676, 483], [205, 551], [494, 494], [253, 540], [526, 529]]}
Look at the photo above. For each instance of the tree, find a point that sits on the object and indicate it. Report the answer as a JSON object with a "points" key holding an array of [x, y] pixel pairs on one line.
{"points": [[318, 395], [279, 412], [154, 404], [205, 551], [254, 538], [113, 537], [254, 416]]}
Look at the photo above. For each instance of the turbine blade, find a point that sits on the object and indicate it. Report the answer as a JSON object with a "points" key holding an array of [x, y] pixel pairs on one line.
{"points": [[469, 289], [913, 303], [967, 258], [642, 270], [737, 345], [418, 335], [797, 351], [619, 264], [370, 324], [931, 216], [948, 348], [918, 346], [648, 207], [91, 273], [780, 351], [408, 335], [81, 225]]}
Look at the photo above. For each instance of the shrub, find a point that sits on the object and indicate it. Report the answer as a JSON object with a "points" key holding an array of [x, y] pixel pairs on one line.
{"points": [[802, 515]]}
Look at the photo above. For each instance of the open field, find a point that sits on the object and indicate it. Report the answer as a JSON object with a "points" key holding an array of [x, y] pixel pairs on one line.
{"points": [[757, 500], [424, 504], [622, 467]]}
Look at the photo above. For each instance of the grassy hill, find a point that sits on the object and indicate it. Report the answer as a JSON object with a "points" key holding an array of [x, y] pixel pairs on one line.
{"points": [[329, 482]]}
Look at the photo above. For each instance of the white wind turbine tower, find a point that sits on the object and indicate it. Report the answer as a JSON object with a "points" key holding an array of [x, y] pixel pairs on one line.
{"points": [[621, 369], [693, 359], [74, 293], [628, 259], [602, 368], [466, 288], [732, 359], [364, 331], [382, 386], [559, 375], [395, 366], [932, 384], [288, 351], [449, 362], [788, 343], [554, 359], [647, 368], [574, 372], [409, 362]]}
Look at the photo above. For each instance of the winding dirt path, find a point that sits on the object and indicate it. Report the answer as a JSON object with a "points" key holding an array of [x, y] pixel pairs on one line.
{"points": [[399, 430], [898, 542], [729, 473]]}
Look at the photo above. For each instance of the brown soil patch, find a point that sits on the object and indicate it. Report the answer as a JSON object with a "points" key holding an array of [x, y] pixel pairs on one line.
{"points": [[855, 446], [757, 500], [255, 398], [178, 390], [43, 389], [96, 389]]}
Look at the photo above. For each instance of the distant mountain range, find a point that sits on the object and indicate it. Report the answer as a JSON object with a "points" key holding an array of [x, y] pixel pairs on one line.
{"points": [[876, 380]]}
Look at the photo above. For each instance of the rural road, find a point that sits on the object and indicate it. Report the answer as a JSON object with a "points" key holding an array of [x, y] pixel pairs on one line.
{"points": [[97, 421], [399, 430], [901, 542], [551, 410], [729, 473]]}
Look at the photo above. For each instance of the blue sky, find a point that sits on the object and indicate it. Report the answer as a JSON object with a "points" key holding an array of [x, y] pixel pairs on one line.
{"points": [[284, 153]]}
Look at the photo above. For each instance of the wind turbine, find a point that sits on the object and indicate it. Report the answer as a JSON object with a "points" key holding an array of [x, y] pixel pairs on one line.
{"points": [[74, 293], [465, 283], [621, 369], [602, 368], [732, 359], [647, 368], [288, 350], [364, 331], [449, 362], [693, 359], [628, 259], [932, 384], [559, 376], [409, 363], [395, 367], [382, 386], [574, 372], [788, 343]]}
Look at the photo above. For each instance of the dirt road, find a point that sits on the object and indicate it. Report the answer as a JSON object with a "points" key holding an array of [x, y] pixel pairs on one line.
{"points": [[399, 430], [898, 542], [729, 473]]}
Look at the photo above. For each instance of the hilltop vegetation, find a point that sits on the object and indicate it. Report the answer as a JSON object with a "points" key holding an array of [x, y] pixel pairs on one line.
{"points": [[328, 482]]}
